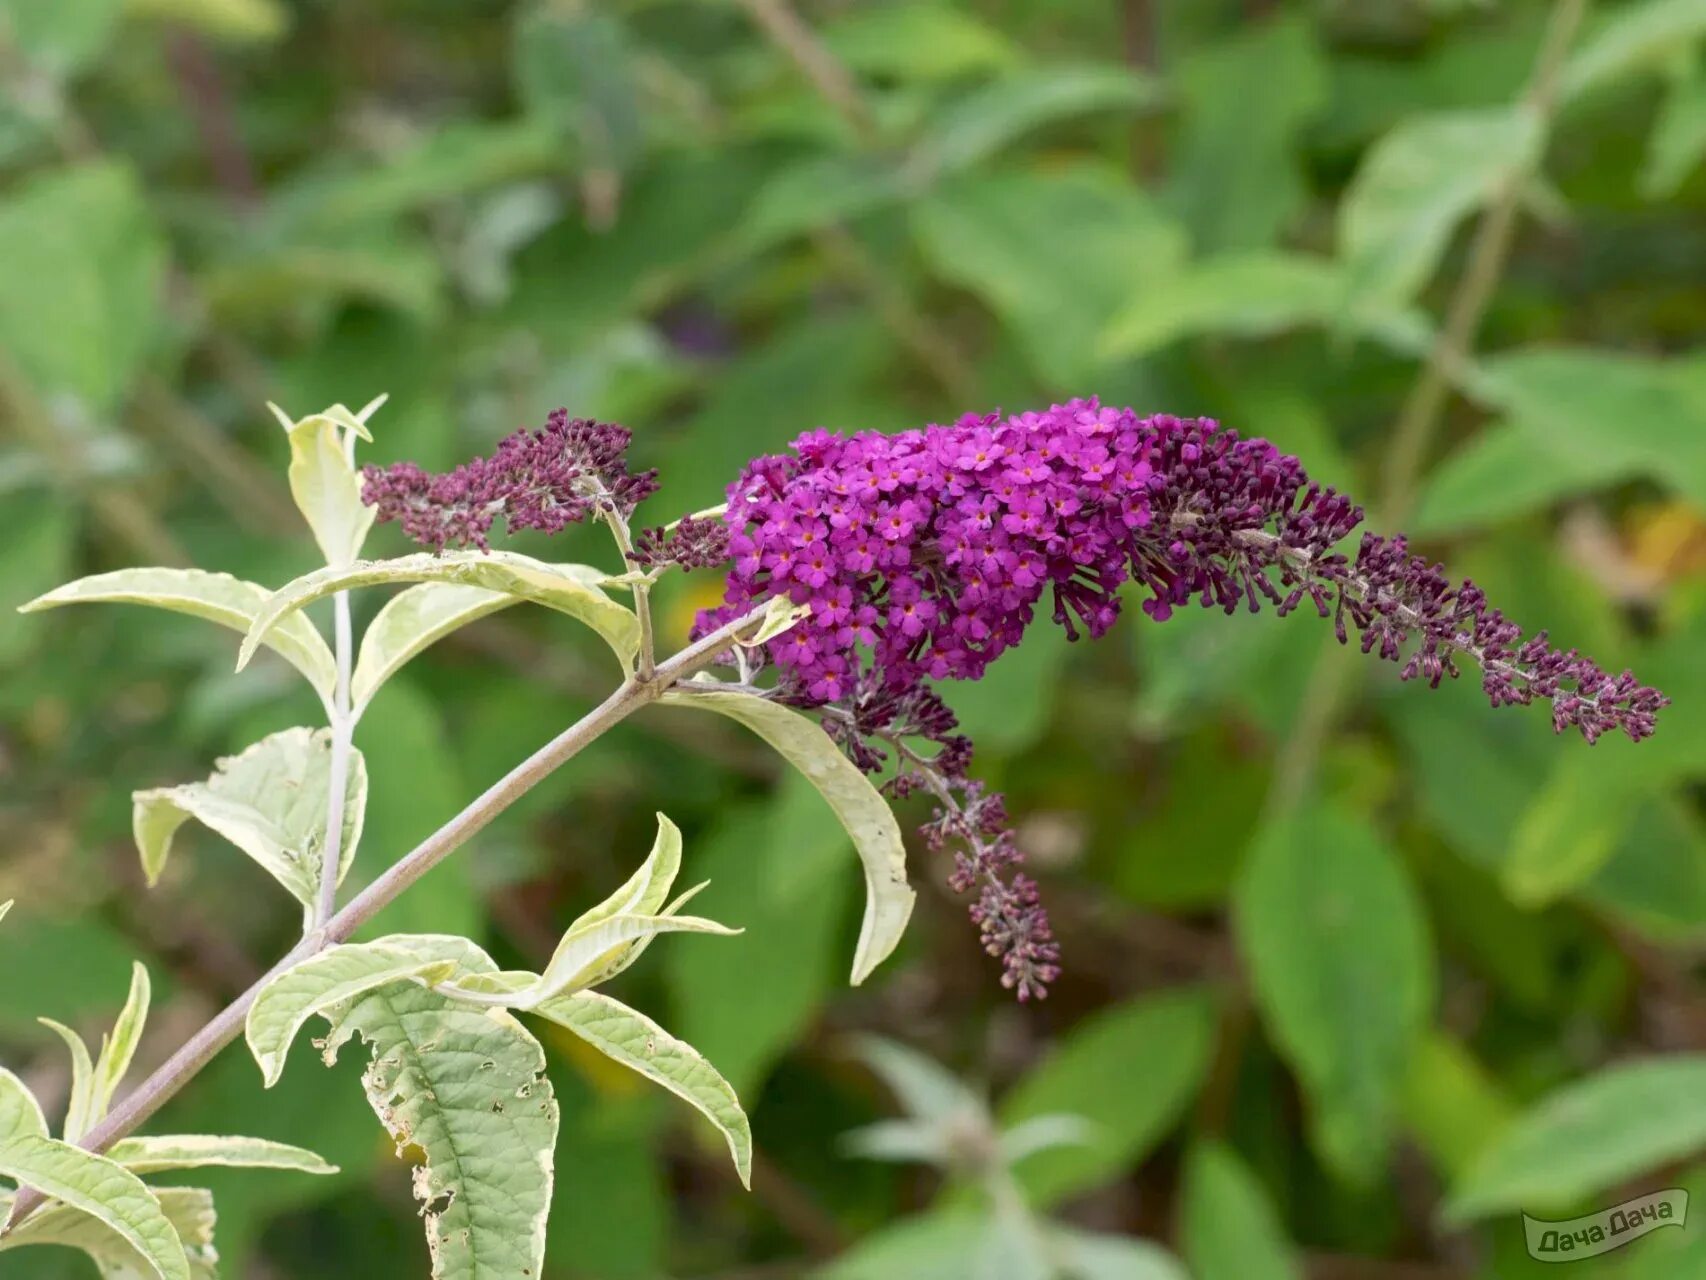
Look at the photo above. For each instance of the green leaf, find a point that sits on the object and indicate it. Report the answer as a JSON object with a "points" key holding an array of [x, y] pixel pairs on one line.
{"points": [[1678, 142], [78, 311], [188, 1209], [929, 1246], [1253, 295], [157, 1154], [61, 36], [325, 483], [1417, 183], [269, 801], [1573, 823], [341, 974], [411, 621], [1235, 177], [583, 956], [1631, 414], [815, 192], [217, 597], [1161, 1040], [1631, 39], [918, 42], [1090, 1256], [573, 589], [236, 20], [103, 1190], [80, 1109], [20, 1113], [1451, 1106], [1588, 1137], [862, 810], [634, 1040], [467, 1087], [1023, 240], [1339, 958], [1229, 1229], [119, 1048], [980, 123], [926, 1089], [1501, 474]]}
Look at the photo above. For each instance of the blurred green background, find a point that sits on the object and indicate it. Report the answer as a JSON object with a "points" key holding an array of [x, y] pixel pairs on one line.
{"points": [[1339, 952]]}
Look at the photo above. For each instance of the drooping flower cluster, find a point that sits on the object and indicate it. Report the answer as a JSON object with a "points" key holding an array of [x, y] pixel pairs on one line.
{"points": [[924, 555], [546, 479]]}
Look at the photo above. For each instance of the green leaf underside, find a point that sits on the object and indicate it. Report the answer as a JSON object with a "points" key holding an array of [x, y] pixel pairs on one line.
{"points": [[864, 813], [327, 487], [340, 974], [157, 1154], [410, 622], [188, 1209], [80, 1107], [585, 955], [102, 1189], [568, 588], [634, 1040], [1588, 1137], [467, 1087], [269, 801], [118, 1048], [20, 1114], [217, 597]]}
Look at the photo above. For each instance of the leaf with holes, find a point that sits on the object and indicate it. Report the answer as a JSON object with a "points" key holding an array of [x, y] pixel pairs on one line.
{"points": [[574, 589], [217, 597], [862, 810], [467, 1087], [269, 801]]}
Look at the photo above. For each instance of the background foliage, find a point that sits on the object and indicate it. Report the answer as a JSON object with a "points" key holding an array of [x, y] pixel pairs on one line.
{"points": [[1336, 1021]]}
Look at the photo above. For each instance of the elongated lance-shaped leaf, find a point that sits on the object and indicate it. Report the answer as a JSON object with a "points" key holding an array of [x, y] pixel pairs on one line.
{"points": [[466, 1086], [80, 1110], [159, 1153], [411, 621], [103, 1190], [644, 894], [188, 1209], [629, 1037], [217, 597], [118, 1048], [580, 956], [862, 810], [341, 974], [20, 1113], [325, 484], [574, 589], [269, 801]]}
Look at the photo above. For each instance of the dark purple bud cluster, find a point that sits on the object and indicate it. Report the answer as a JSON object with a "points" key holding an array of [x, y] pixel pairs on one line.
{"points": [[547, 479], [923, 556], [693, 542]]}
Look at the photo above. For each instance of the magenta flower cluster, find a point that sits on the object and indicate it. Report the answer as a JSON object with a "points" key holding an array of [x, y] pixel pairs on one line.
{"points": [[924, 555], [547, 480]]}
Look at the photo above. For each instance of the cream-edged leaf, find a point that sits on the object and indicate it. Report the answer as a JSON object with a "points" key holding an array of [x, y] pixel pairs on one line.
{"points": [[103, 1190], [188, 1209], [217, 597], [862, 810], [20, 1113], [157, 1154], [411, 621], [468, 1087], [779, 616], [80, 1111], [5, 907], [648, 888], [119, 1047], [326, 485], [269, 801], [626, 1036], [340, 974], [574, 589]]}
